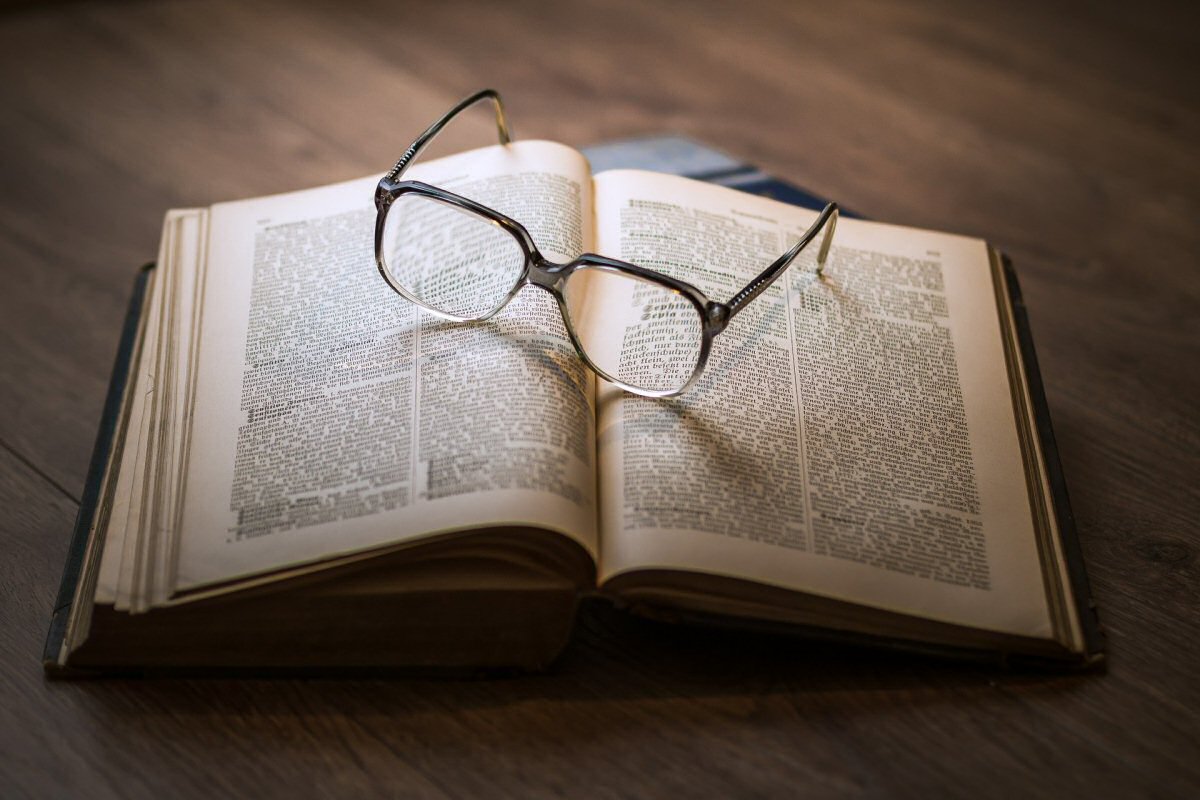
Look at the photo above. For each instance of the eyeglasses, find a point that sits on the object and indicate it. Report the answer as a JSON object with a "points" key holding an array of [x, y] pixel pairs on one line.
{"points": [[642, 330]]}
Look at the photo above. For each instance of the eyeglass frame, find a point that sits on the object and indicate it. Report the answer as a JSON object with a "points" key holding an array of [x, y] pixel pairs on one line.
{"points": [[552, 277]]}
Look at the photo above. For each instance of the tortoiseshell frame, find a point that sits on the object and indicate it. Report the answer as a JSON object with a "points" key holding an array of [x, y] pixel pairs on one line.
{"points": [[552, 277]]}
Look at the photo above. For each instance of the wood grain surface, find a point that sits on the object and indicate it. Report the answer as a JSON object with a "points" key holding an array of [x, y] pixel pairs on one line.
{"points": [[1065, 134]]}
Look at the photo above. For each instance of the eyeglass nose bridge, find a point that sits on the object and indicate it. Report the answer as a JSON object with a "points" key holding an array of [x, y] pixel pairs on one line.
{"points": [[546, 274]]}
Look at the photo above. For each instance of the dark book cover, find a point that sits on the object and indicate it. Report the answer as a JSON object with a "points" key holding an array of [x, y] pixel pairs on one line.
{"points": [[89, 504]]}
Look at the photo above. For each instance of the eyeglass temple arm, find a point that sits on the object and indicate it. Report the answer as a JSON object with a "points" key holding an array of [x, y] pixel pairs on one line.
{"points": [[436, 128], [827, 220]]}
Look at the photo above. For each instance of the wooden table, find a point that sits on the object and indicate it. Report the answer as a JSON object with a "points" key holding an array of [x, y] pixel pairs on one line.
{"points": [[1066, 135]]}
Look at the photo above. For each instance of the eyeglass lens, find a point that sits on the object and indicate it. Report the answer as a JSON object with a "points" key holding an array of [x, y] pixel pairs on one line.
{"points": [[449, 259], [637, 331], [460, 264]]}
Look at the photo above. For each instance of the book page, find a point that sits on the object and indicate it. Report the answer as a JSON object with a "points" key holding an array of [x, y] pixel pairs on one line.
{"points": [[141, 514], [124, 474], [333, 415], [853, 436]]}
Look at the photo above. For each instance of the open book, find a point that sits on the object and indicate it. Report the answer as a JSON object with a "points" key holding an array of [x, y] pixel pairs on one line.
{"points": [[307, 470]]}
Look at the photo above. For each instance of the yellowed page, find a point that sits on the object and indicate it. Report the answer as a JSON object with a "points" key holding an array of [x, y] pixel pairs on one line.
{"points": [[132, 492], [174, 377], [331, 416], [115, 580], [120, 533], [137, 547], [853, 436]]}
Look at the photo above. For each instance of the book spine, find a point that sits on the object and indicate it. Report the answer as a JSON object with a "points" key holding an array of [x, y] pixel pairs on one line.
{"points": [[1089, 618], [52, 656]]}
